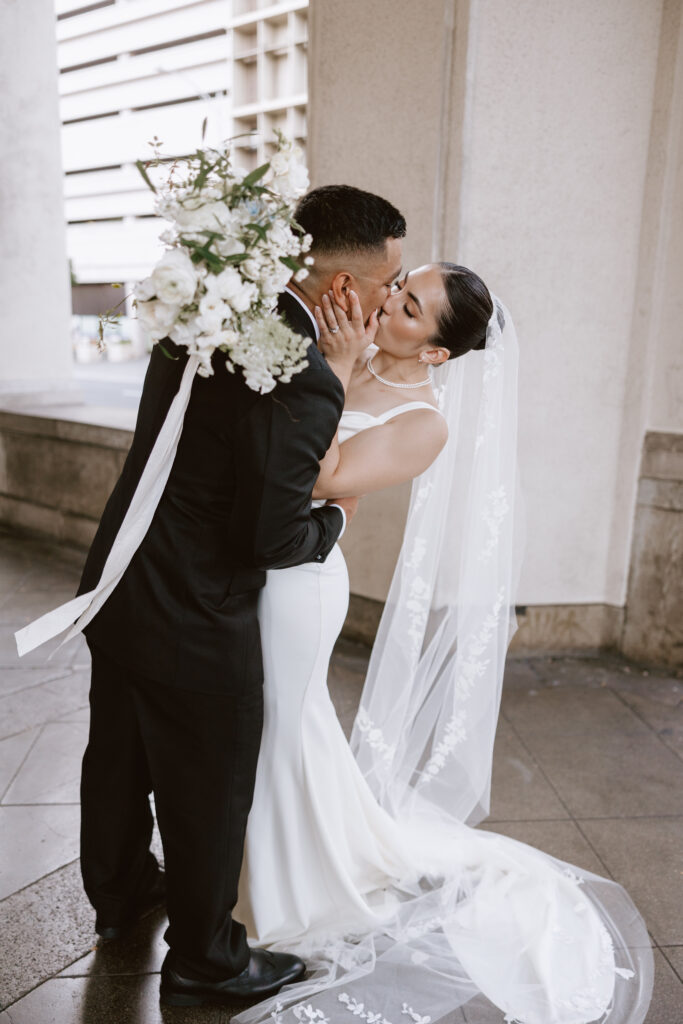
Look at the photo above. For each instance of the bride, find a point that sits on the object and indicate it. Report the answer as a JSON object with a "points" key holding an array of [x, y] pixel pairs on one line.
{"points": [[362, 858]]}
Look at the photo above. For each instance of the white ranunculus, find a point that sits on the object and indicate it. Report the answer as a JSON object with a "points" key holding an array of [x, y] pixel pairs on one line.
{"points": [[157, 317], [174, 278]]}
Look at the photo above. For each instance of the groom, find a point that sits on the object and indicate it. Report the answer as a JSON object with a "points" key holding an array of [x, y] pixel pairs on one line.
{"points": [[176, 695]]}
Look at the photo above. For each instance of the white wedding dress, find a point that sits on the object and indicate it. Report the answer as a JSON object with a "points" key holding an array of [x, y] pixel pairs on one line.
{"points": [[416, 916]]}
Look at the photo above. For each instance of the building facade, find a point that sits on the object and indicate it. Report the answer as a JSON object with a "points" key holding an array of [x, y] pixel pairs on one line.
{"points": [[134, 69]]}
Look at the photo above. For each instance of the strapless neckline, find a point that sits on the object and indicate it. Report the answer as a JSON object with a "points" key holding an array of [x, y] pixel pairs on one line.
{"points": [[390, 413]]}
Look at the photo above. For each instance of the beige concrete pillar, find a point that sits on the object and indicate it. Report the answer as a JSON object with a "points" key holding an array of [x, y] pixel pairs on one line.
{"points": [[34, 278], [514, 136], [653, 628], [376, 96]]}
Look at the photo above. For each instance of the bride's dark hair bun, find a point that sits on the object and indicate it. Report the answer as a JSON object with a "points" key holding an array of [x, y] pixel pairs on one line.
{"points": [[465, 313]]}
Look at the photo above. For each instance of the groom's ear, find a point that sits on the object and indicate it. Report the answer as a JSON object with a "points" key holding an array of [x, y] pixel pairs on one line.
{"points": [[341, 285]]}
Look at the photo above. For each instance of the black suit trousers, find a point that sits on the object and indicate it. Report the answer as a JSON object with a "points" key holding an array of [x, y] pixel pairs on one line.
{"points": [[197, 752]]}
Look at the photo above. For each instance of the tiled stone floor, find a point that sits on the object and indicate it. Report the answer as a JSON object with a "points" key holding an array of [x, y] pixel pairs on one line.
{"points": [[588, 766]]}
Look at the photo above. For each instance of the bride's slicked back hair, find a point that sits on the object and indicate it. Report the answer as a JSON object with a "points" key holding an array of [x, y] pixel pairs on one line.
{"points": [[465, 313], [344, 219]]}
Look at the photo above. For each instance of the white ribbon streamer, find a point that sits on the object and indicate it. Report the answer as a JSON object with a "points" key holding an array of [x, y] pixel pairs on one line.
{"points": [[78, 612]]}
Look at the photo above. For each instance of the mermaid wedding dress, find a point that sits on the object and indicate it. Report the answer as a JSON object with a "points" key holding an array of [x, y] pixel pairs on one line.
{"points": [[411, 914]]}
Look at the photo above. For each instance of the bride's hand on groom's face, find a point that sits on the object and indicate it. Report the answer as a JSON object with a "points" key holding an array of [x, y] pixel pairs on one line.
{"points": [[344, 339]]}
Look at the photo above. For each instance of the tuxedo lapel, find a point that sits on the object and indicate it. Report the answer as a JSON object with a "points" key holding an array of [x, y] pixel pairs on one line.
{"points": [[298, 319], [296, 316]]}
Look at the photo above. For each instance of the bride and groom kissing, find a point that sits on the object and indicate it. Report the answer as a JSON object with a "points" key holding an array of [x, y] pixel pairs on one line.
{"points": [[209, 676]]}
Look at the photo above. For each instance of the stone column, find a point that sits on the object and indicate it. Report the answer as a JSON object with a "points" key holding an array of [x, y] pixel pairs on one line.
{"points": [[653, 627], [34, 276]]}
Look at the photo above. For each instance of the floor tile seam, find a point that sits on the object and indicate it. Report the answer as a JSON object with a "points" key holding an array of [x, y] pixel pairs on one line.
{"points": [[101, 974], [34, 881], [677, 972], [41, 725], [45, 803], [608, 873], [561, 800], [636, 714], [32, 686], [55, 977], [521, 821], [23, 762], [538, 765], [628, 817]]}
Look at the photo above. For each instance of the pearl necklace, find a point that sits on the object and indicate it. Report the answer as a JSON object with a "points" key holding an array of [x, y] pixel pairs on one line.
{"points": [[391, 383]]}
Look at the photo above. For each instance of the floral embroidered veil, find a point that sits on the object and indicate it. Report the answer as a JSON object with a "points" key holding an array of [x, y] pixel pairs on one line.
{"points": [[426, 725]]}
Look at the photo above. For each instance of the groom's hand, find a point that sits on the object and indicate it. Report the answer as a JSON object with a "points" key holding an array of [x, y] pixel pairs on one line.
{"points": [[350, 506]]}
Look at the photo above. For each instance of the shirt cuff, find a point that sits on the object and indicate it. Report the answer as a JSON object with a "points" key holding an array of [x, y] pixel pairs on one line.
{"points": [[334, 505]]}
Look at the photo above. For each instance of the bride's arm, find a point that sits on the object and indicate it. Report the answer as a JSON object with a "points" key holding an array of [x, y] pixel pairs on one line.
{"points": [[382, 456]]}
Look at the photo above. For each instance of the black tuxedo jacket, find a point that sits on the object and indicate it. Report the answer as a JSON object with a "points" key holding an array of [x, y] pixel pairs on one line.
{"points": [[237, 502]]}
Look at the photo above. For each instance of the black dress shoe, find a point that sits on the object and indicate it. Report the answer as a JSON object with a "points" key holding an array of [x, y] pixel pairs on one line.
{"points": [[264, 975], [154, 897]]}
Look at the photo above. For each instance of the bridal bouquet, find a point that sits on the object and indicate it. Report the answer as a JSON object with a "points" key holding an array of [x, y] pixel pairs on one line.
{"points": [[233, 246]]}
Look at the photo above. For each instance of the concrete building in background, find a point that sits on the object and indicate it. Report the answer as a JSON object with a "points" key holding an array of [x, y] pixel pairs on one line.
{"points": [[540, 144], [133, 69]]}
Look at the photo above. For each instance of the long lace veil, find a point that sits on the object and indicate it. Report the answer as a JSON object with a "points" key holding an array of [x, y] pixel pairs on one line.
{"points": [[424, 732]]}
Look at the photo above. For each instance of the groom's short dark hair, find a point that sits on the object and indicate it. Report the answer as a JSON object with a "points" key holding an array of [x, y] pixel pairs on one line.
{"points": [[341, 218]]}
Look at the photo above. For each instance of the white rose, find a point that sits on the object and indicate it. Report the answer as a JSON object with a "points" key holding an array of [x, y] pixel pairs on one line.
{"points": [[144, 290], [226, 284], [227, 246], [292, 184], [243, 299], [184, 334], [298, 177], [157, 317], [212, 312], [251, 268], [279, 163], [174, 278]]}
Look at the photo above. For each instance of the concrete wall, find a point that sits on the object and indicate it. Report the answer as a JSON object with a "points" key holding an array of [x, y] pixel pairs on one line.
{"points": [[56, 474], [528, 141], [34, 318]]}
